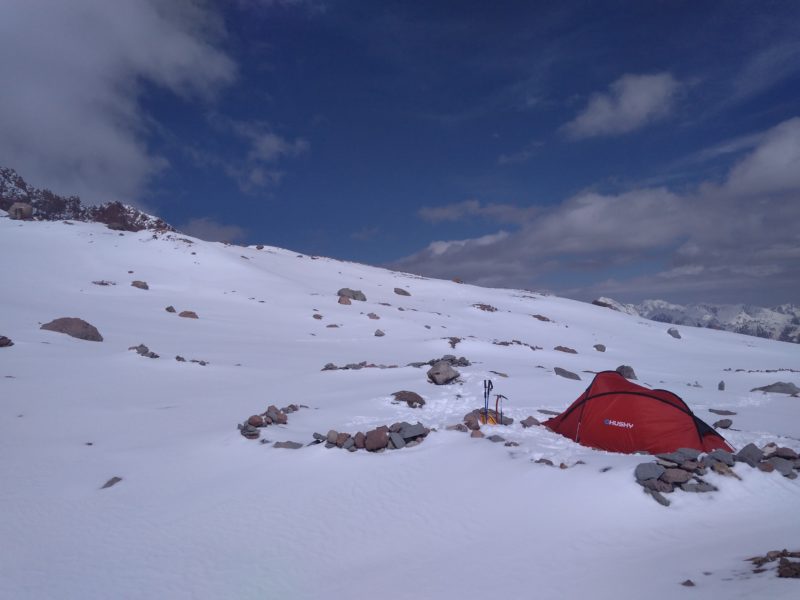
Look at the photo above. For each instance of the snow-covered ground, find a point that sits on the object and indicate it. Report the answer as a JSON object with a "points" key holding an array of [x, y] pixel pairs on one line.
{"points": [[202, 512]]}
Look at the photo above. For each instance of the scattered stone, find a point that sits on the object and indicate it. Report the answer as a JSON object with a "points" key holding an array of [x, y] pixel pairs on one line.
{"points": [[529, 422], [674, 333], [565, 349], [318, 437], [779, 387], [786, 453], [5, 342], [544, 461], [250, 432], [74, 327], [657, 485], [721, 412], [698, 488], [627, 372], [170, 309], [110, 482], [566, 374], [485, 307], [721, 386], [453, 341], [723, 457], [344, 300], [104, 282], [379, 333], [317, 316], [766, 467], [788, 568], [544, 411], [750, 454], [457, 427], [352, 294], [477, 433], [401, 292], [657, 497], [188, 314], [675, 476], [373, 316], [377, 439], [442, 373], [496, 438], [511, 444], [723, 424], [143, 350], [600, 347], [179, 358], [289, 445], [648, 470], [349, 443], [142, 285], [783, 466], [412, 432], [541, 318], [397, 440], [341, 439], [360, 440], [688, 583]]}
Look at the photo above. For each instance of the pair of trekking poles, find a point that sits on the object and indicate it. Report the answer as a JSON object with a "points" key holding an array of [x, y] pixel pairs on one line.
{"points": [[497, 419]]}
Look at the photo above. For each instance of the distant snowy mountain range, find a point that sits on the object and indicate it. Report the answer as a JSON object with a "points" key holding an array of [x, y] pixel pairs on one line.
{"points": [[48, 206], [779, 323]]}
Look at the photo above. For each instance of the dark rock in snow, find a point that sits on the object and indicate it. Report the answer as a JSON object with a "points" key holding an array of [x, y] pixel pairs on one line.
{"points": [[544, 411], [179, 358], [721, 386], [289, 445], [674, 333], [352, 294], [600, 347], [170, 309], [688, 583], [397, 440], [379, 333], [344, 300], [565, 349], [442, 373], [142, 285], [779, 387], [188, 314], [332, 436], [110, 482], [457, 427], [74, 327], [410, 432], [496, 438], [319, 437], [544, 461], [723, 457], [697, 488], [567, 374], [376, 439], [657, 485], [476, 433], [529, 422], [360, 440], [5, 342], [786, 453], [675, 476], [721, 412], [373, 316], [143, 350], [648, 470], [401, 292], [657, 497], [349, 443], [783, 466], [627, 372], [723, 424], [750, 454]]}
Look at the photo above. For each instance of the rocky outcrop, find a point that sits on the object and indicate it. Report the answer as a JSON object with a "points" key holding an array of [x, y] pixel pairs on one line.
{"points": [[74, 327], [352, 294], [442, 373]]}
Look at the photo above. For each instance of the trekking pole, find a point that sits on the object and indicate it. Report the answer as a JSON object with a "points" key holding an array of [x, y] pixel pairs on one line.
{"points": [[487, 390]]}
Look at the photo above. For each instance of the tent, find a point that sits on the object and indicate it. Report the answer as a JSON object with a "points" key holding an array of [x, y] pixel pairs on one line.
{"points": [[619, 416]]}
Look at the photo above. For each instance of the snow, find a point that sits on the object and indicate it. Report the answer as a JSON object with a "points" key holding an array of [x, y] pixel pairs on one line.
{"points": [[202, 512]]}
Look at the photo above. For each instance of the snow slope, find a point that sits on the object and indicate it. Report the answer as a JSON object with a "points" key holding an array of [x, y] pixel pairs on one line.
{"points": [[202, 512]]}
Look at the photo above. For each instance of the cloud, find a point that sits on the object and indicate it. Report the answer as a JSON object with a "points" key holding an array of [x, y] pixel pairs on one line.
{"points": [[206, 228], [631, 102], [73, 75], [766, 69], [502, 213], [734, 240], [521, 156]]}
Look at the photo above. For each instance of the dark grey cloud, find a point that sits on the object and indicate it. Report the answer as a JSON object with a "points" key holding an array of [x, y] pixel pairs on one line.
{"points": [[732, 240], [73, 74]]}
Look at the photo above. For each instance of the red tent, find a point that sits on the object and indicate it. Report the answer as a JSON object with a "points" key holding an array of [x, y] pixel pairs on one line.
{"points": [[619, 416]]}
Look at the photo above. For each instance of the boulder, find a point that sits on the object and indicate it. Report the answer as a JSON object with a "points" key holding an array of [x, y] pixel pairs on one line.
{"points": [[344, 300], [783, 466], [379, 333], [5, 342], [256, 421], [766, 467], [565, 349], [409, 432], [289, 445], [341, 439], [529, 422], [401, 292], [723, 457], [413, 399], [349, 443], [675, 476], [278, 416], [626, 371], [352, 294], [674, 333], [142, 285], [188, 314], [786, 453], [170, 309], [566, 374], [397, 440], [600, 347], [648, 470], [721, 386], [723, 424], [779, 387], [250, 432], [74, 327], [750, 454], [332, 436], [376, 439], [359, 439], [442, 373]]}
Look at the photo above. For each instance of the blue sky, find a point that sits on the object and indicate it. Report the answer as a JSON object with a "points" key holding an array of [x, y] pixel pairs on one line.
{"points": [[630, 149]]}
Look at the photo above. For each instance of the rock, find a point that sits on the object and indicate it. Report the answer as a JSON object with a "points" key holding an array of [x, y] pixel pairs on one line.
{"points": [[373, 316], [545, 411], [766, 467], [544, 461], [657, 497], [290, 445], [142, 285], [769, 449], [278, 417], [457, 427], [541, 318], [5, 342], [413, 399], [344, 300], [349, 443], [256, 421], [675, 476], [626, 371], [600, 347], [143, 350], [332, 436], [397, 440], [170, 309], [496, 438], [680, 455], [110, 482], [359, 439], [529, 422], [721, 412], [472, 422], [565, 349], [788, 568], [379, 333], [188, 314], [376, 439], [750, 454], [442, 373], [74, 327], [688, 583], [723, 457], [401, 292], [697, 488], [320, 438], [352, 294], [567, 374], [410, 432], [723, 424], [250, 432], [787, 453], [779, 387], [341, 439], [477, 433], [648, 470], [721, 386], [674, 333], [179, 358], [783, 466], [657, 485], [317, 316]]}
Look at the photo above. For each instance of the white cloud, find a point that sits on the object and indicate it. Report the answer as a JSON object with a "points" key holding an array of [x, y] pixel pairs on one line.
{"points": [[206, 228], [630, 103], [502, 213], [72, 76]]}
